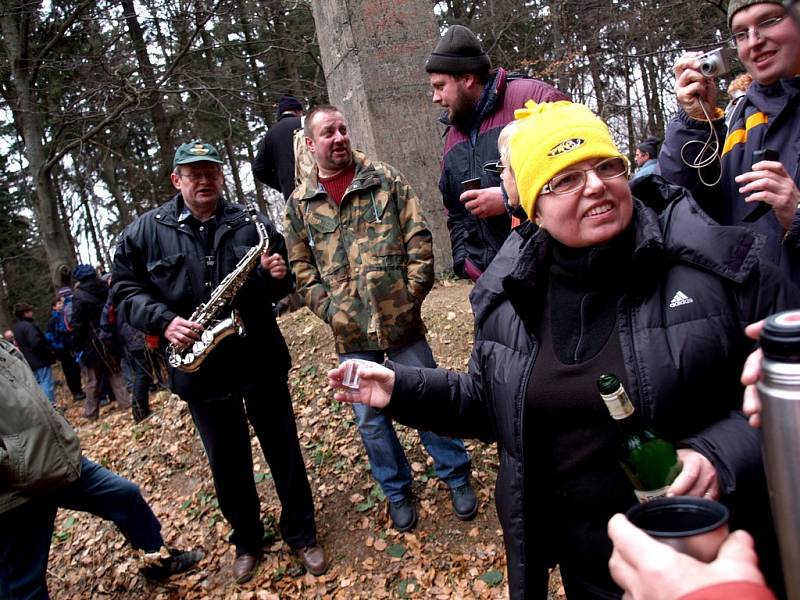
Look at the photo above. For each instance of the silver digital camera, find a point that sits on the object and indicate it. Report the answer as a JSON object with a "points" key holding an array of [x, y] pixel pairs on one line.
{"points": [[714, 63]]}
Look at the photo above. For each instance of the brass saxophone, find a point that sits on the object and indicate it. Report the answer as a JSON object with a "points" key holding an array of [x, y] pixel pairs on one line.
{"points": [[209, 314]]}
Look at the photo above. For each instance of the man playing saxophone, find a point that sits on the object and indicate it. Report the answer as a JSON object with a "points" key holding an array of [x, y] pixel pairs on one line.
{"points": [[168, 262]]}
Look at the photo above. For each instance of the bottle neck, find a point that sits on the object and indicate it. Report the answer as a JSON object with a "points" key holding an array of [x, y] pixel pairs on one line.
{"points": [[618, 403]]}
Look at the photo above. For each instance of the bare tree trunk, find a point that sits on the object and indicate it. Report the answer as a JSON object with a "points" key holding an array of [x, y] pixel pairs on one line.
{"points": [[108, 173], [556, 9], [237, 181], [157, 113], [260, 200], [629, 108], [14, 24], [255, 71], [102, 255], [597, 82], [659, 119], [66, 215], [287, 60], [647, 97]]}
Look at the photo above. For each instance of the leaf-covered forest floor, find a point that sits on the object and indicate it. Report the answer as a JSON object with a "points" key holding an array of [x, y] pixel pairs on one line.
{"points": [[442, 558]]}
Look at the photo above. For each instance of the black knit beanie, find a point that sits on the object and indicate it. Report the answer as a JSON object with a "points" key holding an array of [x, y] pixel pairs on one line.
{"points": [[458, 51], [287, 103], [735, 6]]}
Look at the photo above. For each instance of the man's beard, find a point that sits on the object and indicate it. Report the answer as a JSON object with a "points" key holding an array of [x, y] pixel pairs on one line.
{"points": [[460, 113]]}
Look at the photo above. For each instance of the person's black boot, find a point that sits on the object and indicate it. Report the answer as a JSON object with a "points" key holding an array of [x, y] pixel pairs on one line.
{"points": [[465, 502], [403, 514]]}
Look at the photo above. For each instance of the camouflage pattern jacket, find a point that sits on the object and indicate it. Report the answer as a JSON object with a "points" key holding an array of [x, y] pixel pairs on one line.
{"points": [[365, 266]]}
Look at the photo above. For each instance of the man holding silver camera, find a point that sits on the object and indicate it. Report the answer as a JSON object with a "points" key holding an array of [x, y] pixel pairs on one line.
{"points": [[746, 174]]}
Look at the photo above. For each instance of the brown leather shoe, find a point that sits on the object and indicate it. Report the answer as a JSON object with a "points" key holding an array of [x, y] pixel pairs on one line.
{"points": [[245, 566], [313, 559]]}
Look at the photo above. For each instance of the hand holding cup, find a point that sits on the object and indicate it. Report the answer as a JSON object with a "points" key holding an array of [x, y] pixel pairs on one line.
{"points": [[362, 381], [647, 569]]}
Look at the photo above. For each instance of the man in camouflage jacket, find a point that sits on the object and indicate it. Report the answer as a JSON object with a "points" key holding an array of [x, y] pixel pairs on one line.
{"points": [[362, 254]]}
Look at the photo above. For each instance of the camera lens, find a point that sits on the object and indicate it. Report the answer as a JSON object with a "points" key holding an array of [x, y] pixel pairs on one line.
{"points": [[709, 67]]}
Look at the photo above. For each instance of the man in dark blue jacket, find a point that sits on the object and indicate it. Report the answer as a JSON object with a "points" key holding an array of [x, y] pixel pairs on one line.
{"points": [[59, 336], [743, 188], [167, 262], [34, 347], [478, 103]]}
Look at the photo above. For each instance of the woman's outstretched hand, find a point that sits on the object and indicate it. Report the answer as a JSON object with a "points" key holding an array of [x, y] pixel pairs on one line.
{"points": [[375, 384]]}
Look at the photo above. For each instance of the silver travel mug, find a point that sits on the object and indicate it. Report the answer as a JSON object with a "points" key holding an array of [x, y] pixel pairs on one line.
{"points": [[779, 390]]}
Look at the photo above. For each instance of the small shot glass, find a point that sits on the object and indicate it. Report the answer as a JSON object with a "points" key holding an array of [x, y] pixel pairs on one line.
{"points": [[350, 379]]}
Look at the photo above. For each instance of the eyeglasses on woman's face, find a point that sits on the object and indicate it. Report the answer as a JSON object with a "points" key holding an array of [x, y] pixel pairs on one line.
{"points": [[570, 181]]}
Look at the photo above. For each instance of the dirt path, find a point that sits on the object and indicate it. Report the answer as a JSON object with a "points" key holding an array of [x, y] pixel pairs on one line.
{"points": [[442, 558]]}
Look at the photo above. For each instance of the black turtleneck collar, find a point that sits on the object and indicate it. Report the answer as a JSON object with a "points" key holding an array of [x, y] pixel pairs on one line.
{"points": [[585, 285], [595, 266]]}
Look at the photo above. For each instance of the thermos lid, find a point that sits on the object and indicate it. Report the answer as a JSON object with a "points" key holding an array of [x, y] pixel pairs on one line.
{"points": [[780, 338]]}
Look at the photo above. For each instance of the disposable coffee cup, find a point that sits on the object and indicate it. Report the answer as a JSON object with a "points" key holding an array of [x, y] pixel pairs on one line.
{"points": [[351, 379], [693, 526]]}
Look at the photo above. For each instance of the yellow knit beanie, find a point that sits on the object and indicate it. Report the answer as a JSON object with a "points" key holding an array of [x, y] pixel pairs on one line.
{"points": [[551, 137]]}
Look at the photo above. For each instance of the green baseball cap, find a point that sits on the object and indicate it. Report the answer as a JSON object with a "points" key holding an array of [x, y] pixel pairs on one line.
{"points": [[195, 152]]}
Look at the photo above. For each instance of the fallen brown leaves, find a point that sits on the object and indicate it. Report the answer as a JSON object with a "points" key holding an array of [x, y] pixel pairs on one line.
{"points": [[443, 558]]}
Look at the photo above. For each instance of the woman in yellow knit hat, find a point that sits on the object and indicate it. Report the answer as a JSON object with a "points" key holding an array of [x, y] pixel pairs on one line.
{"points": [[596, 282]]}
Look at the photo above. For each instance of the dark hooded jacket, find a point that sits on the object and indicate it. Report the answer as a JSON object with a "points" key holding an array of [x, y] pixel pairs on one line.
{"points": [[33, 344], [88, 300], [682, 363], [465, 154], [274, 163], [159, 273], [768, 117]]}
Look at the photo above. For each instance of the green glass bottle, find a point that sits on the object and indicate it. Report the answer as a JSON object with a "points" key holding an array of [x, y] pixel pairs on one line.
{"points": [[650, 461]]}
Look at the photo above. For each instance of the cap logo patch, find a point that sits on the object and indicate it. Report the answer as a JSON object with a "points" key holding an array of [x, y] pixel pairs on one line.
{"points": [[566, 146], [198, 150]]}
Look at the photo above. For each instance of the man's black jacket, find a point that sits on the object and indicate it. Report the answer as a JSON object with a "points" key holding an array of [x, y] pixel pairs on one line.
{"points": [[160, 273], [87, 308], [274, 163], [33, 344]]}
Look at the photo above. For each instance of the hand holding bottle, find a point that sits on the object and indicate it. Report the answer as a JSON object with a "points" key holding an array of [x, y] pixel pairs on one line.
{"points": [[698, 477], [375, 383], [651, 462], [750, 374]]}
